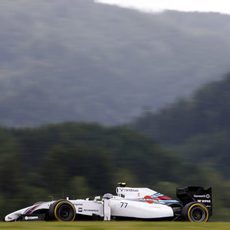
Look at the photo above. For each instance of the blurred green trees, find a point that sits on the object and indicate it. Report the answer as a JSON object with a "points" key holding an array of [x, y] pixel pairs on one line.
{"points": [[80, 160]]}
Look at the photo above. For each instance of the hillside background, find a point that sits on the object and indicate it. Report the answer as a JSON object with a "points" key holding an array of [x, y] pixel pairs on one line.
{"points": [[197, 128], [80, 61]]}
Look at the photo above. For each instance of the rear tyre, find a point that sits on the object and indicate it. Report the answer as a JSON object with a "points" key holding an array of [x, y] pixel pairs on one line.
{"points": [[63, 210], [195, 212]]}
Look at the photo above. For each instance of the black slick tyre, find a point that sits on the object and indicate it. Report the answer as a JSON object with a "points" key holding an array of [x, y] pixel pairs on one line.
{"points": [[62, 210], [195, 212]]}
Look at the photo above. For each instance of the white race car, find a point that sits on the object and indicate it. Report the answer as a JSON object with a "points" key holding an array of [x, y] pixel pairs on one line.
{"points": [[194, 204]]}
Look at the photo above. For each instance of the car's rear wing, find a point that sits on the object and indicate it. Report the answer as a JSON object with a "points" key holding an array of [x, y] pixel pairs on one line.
{"points": [[196, 194]]}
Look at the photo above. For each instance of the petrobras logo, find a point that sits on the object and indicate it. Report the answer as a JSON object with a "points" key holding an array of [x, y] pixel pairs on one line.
{"points": [[31, 218]]}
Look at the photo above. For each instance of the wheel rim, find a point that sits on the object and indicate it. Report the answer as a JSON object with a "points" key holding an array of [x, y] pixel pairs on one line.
{"points": [[64, 212], [198, 214]]}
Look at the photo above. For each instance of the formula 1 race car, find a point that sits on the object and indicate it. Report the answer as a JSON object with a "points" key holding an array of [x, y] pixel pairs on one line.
{"points": [[194, 204]]}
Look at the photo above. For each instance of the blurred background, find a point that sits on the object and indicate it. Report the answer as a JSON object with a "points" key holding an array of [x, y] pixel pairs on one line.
{"points": [[92, 94]]}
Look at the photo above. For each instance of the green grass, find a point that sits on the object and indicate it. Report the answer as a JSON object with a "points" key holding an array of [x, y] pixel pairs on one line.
{"points": [[123, 225]]}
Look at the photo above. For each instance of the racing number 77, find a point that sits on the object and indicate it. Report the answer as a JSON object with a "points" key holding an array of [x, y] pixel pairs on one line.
{"points": [[124, 205]]}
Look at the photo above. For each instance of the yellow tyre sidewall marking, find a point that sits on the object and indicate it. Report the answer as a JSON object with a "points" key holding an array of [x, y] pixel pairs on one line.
{"points": [[201, 206], [58, 205]]}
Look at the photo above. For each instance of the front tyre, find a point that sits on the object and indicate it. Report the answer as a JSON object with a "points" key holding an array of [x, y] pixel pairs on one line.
{"points": [[195, 212], [63, 210]]}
